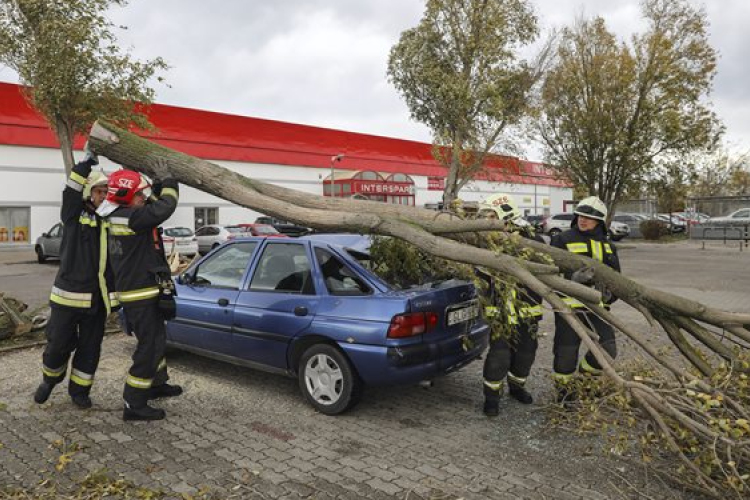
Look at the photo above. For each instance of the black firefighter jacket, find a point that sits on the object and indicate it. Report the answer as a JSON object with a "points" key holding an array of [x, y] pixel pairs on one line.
{"points": [[136, 248], [84, 271], [593, 244]]}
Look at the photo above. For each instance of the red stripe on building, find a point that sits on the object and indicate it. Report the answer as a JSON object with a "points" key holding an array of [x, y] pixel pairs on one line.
{"points": [[219, 136]]}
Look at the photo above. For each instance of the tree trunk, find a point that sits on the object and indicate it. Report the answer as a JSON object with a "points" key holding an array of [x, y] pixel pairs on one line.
{"points": [[65, 136], [670, 405]]}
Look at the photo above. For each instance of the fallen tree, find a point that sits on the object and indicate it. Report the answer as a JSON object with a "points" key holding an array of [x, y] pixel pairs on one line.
{"points": [[699, 408]]}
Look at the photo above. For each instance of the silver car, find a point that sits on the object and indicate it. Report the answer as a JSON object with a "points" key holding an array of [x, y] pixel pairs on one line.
{"points": [[213, 235], [48, 244]]}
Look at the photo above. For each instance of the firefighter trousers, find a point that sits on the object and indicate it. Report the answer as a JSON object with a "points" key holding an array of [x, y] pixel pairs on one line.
{"points": [[567, 343], [78, 332], [149, 367], [512, 358]]}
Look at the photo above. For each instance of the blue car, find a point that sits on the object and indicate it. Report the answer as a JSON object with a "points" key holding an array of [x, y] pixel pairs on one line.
{"points": [[310, 309]]}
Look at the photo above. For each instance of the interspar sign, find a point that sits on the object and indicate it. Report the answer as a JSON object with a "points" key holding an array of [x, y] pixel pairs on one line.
{"points": [[436, 183], [382, 187]]}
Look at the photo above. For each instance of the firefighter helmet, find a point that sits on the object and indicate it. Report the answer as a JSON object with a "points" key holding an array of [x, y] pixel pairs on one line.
{"points": [[503, 205], [592, 208], [123, 185], [95, 179]]}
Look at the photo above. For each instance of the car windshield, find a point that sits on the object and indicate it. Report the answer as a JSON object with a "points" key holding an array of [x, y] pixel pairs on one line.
{"points": [[264, 230], [178, 232]]}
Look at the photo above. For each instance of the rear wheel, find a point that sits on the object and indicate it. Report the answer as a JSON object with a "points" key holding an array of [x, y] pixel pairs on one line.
{"points": [[40, 257], [328, 380]]}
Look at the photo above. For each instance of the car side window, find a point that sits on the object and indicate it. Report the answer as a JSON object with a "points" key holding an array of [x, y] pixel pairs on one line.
{"points": [[741, 214], [201, 232], [225, 268], [283, 267], [55, 231], [339, 279]]}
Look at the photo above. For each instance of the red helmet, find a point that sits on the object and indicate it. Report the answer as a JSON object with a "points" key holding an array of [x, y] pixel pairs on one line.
{"points": [[123, 185]]}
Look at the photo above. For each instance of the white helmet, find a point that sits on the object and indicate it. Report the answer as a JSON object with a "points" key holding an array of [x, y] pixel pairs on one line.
{"points": [[94, 179], [503, 205], [592, 208]]}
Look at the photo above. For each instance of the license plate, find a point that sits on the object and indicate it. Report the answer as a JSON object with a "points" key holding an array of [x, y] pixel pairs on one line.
{"points": [[463, 314], [183, 243]]}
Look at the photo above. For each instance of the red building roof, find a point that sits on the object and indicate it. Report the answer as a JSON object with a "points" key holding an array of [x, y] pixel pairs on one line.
{"points": [[219, 136]]}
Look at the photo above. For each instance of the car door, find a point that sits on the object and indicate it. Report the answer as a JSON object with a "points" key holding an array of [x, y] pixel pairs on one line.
{"points": [[206, 298], [278, 303], [52, 246]]}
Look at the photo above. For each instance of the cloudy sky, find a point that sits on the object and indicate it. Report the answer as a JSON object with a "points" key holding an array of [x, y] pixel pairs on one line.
{"points": [[323, 62]]}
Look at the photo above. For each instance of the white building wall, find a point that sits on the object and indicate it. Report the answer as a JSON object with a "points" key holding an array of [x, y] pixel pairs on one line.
{"points": [[34, 178]]}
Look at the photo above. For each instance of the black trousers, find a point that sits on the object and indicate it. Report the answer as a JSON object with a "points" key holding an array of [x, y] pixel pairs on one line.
{"points": [[149, 367], [567, 343], [512, 358], [74, 330]]}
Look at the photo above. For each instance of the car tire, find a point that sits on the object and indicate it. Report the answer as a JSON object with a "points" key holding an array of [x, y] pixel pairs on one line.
{"points": [[214, 246], [617, 238], [554, 231], [328, 380], [40, 257]]}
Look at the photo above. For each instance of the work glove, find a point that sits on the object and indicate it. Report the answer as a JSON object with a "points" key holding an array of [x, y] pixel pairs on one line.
{"points": [[160, 170], [90, 156], [584, 276]]}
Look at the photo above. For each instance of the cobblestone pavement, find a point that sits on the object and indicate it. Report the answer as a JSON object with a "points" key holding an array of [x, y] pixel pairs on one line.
{"points": [[242, 433]]}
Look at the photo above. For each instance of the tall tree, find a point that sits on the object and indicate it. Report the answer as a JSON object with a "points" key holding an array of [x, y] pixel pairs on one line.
{"points": [[720, 172], [66, 53], [610, 109], [460, 75]]}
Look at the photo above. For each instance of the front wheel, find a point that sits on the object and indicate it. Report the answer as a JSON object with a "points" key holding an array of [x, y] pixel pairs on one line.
{"points": [[40, 257], [328, 380]]}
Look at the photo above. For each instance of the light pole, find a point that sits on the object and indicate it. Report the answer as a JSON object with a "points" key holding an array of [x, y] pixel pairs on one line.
{"points": [[334, 159]]}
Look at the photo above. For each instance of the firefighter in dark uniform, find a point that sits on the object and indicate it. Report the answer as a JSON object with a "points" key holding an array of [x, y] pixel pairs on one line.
{"points": [[587, 236], [82, 295], [510, 356], [142, 281]]}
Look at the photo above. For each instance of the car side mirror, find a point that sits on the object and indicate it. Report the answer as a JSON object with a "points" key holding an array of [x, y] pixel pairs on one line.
{"points": [[186, 278]]}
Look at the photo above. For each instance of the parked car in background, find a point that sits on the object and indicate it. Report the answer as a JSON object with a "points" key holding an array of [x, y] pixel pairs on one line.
{"points": [[179, 239], [741, 216], [308, 309], [262, 230], [282, 226], [48, 244], [557, 223], [675, 222], [213, 235], [536, 221]]}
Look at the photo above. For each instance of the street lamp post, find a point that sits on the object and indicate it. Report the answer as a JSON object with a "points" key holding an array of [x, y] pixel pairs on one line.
{"points": [[334, 159]]}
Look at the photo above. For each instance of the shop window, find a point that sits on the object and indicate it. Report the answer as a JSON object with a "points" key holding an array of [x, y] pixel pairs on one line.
{"points": [[205, 216], [14, 224]]}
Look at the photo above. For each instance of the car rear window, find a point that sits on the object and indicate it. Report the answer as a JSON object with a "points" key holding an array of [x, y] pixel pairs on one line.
{"points": [[178, 232], [265, 230], [235, 229]]}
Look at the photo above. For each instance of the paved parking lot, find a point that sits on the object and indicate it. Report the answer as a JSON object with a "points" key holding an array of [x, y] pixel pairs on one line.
{"points": [[245, 434]]}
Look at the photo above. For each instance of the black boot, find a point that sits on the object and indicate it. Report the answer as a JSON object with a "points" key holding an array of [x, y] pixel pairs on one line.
{"points": [[42, 392], [164, 391], [491, 407], [82, 401], [144, 413], [519, 393]]}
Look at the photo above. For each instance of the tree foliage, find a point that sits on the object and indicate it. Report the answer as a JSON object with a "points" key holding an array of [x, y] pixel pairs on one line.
{"points": [[67, 55], [460, 75], [610, 109], [720, 172]]}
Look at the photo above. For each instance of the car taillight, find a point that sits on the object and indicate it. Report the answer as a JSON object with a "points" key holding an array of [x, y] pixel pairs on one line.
{"points": [[168, 240], [410, 324]]}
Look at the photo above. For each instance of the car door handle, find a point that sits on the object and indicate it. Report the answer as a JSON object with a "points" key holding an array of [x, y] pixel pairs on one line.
{"points": [[223, 302], [300, 311]]}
